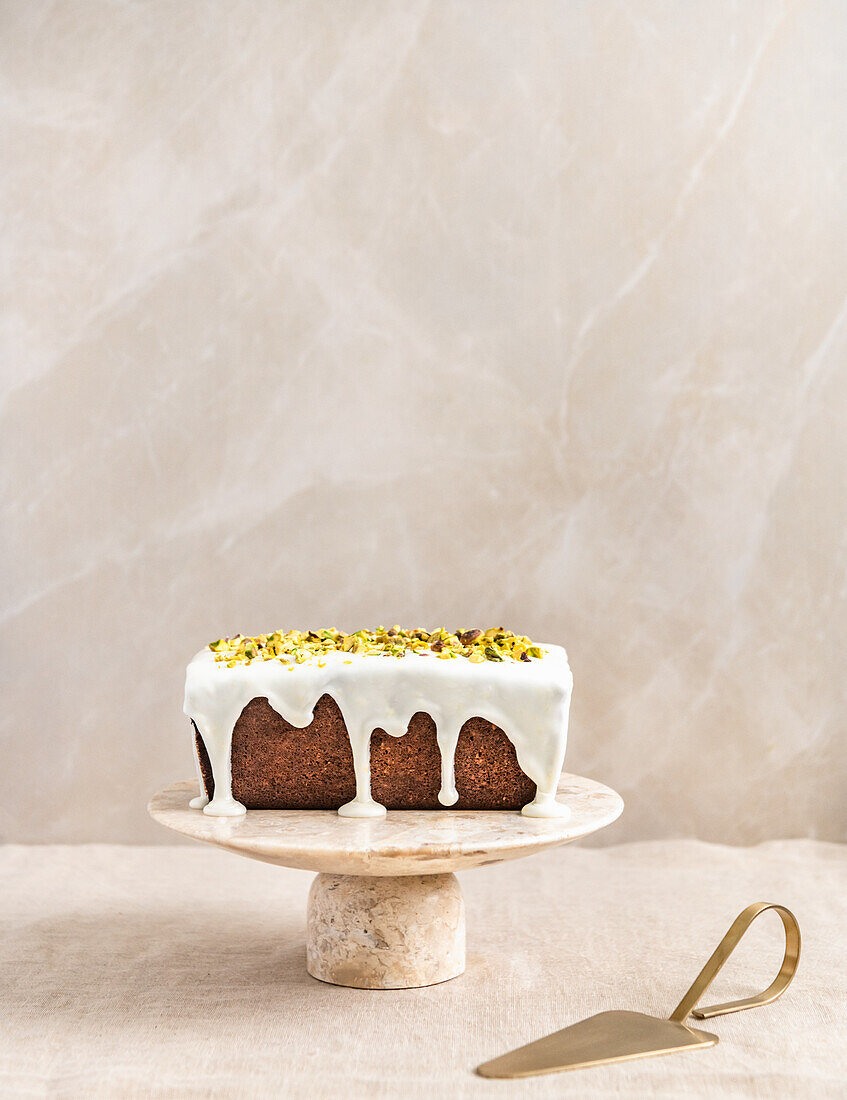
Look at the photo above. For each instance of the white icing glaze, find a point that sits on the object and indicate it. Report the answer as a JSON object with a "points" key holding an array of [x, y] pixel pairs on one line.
{"points": [[202, 799], [528, 701]]}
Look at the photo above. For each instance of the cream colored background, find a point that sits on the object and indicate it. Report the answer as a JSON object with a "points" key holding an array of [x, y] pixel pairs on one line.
{"points": [[448, 312]]}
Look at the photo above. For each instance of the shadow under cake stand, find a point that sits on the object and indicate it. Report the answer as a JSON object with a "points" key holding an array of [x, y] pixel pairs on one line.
{"points": [[385, 910]]}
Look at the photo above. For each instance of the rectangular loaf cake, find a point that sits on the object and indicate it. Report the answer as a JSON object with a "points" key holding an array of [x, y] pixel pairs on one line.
{"points": [[379, 719]]}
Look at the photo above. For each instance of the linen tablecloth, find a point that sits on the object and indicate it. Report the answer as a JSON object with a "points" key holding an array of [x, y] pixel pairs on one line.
{"points": [[179, 972]]}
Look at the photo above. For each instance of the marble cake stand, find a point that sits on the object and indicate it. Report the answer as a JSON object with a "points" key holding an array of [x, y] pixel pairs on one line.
{"points": [[385, 910]]}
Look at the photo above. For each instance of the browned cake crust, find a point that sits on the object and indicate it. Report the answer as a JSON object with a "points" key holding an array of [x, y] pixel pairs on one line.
{"points": [[276, 766]]}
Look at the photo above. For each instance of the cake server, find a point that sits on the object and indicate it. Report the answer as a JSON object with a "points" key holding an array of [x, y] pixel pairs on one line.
{"points": [[623, 1036]]}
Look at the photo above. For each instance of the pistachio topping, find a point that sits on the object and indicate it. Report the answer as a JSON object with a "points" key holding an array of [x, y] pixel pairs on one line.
{"points": [[297, 646]]}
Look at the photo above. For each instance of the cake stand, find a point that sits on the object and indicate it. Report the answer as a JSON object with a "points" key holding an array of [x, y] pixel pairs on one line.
{"points": [[385, 910]]}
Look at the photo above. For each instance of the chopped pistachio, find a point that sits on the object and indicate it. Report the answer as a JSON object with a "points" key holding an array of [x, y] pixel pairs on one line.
{"points": [[297, 646]]}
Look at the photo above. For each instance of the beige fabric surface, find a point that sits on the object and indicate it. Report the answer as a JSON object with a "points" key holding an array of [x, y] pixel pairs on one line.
{"points": [[179, 972]]}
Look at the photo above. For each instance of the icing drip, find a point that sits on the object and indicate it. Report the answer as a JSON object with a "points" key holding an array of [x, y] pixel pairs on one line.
{"points": [[528, 701], [363, 805], [202, 799], [448, 737]]}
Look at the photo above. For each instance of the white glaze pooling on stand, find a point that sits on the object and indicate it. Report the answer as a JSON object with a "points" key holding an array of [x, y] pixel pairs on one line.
{"points": [[528, 701]]}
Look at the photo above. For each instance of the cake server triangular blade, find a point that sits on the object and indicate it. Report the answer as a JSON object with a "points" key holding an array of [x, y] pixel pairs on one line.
{"points": [[606, 1037]]}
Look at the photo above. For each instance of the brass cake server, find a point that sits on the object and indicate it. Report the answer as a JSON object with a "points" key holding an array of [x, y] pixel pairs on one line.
{"points": [[624, 1036]]}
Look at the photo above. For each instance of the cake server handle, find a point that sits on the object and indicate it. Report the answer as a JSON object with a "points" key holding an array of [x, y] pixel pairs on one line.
{"points": [[704, 979]]}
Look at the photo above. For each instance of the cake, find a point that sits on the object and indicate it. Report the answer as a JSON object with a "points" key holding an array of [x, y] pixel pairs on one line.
{"points": [[379, 719]]}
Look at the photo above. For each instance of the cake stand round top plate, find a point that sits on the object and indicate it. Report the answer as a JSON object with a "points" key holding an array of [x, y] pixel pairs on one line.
{"points": [[403, 842]]}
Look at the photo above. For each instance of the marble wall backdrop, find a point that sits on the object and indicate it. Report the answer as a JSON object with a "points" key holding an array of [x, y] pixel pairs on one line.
{"points": [[441, 312]]}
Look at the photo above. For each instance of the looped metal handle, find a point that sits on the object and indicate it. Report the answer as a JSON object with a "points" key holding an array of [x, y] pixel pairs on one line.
{"points": [[704, 979]]}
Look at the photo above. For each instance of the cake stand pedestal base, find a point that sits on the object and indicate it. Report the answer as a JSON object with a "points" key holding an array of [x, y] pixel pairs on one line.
{"points": [[385, 932]]}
